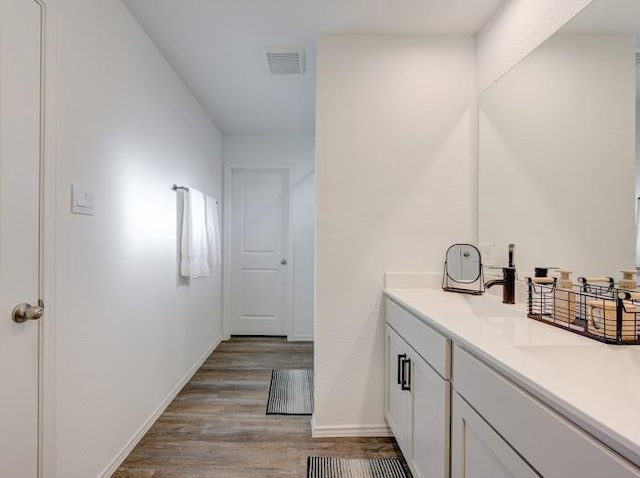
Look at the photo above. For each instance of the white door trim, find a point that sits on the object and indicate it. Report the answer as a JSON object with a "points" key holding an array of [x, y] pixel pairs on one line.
{"points": [[229, 168], [47, 340]]}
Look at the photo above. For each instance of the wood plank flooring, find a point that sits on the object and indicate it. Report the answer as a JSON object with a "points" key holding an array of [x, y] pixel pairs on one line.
{"points": [[217, 426]]}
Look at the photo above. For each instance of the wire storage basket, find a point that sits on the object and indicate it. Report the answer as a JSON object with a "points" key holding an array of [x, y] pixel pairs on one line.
{"points": [[594, 308]]}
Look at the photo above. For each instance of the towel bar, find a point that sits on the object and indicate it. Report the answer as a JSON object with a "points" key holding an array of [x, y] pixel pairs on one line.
{"points": [[175, 187]]}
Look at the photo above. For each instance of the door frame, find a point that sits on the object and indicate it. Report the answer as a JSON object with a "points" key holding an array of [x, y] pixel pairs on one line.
{"points": [[47, 338], [229, 169]]}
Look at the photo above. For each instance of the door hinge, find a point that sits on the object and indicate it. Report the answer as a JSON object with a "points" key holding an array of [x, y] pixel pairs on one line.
{"points": [[41, 303]]}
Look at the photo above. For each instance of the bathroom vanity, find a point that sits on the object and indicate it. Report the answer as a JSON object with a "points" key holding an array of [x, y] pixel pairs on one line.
{"points": [[475, 389]]}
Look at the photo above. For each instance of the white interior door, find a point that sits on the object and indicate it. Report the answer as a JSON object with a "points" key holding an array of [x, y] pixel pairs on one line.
{"points": [[259, 219], [20, 112]]}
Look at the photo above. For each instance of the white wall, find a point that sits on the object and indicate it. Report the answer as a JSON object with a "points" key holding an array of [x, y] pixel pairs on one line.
{"points": [[637, 140], [637, 191], [557, 142], [515, 30], [299, 152], [395, 179], [128, 329]]}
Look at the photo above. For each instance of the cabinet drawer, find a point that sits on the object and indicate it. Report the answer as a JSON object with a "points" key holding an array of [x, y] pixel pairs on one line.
{"points": [[555, 447], [431, 345]]}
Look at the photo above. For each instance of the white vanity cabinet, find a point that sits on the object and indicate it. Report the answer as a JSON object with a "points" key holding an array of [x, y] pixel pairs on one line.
{"points": [[417, 395], [459, 411], [498, 425]]}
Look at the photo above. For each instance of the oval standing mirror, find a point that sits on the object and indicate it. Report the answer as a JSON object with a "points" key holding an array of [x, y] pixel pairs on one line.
{"points": [[463, 269]]}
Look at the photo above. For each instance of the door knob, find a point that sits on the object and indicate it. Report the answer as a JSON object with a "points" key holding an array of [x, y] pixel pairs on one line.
{"points": [[24, 312], [283, 262]]}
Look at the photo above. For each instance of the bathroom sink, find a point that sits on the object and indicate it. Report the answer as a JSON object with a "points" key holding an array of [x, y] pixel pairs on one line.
{"points": [[481, 307], [597, 366], [558, 355]]}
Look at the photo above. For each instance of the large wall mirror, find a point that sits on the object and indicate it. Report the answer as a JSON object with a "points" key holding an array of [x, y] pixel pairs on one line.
{"points": [[557, 167]]}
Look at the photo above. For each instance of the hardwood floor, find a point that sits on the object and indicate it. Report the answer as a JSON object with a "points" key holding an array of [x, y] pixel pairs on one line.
{"points": [[217, 426]]}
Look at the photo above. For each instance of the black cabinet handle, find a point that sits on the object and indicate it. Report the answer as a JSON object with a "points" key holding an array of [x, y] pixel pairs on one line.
{"points": [[401, 357], [406, 374]]}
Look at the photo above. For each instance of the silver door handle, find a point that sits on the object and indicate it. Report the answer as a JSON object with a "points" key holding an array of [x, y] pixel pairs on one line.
{"points": [[23, 312], [283, 262]]}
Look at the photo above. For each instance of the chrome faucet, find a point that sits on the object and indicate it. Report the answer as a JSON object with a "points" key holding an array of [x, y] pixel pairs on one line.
{"points": [[508, 281]]}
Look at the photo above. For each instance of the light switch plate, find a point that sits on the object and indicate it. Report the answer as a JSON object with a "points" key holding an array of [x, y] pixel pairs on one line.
{"points": [[82, 200]]}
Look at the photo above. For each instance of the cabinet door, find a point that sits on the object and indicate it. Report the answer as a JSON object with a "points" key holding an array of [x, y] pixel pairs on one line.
{"points": [[430, 407], [555, 447], [477, 451], [398, 401]]}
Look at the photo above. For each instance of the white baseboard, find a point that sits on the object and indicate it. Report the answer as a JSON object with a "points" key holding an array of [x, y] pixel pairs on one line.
{"points": [[124, 453], [300, 338], [349, 431]]}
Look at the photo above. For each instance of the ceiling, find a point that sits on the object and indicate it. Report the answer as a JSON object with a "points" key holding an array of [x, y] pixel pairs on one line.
{"points": [[216, 47]]}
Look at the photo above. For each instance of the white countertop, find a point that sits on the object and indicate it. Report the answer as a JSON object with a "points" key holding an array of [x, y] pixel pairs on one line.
{"points": [[597, 386]]}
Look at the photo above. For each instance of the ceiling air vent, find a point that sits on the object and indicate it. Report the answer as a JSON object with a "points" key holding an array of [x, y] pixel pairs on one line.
{"points": [[284, 61]]}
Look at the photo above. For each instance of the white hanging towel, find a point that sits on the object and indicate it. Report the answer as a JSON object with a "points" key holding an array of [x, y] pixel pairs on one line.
{"points": [[214, 241], [194, 252]]}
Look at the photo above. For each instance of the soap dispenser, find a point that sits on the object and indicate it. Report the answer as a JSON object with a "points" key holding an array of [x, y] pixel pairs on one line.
{"points": [[564, 302], [628, 281]]}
